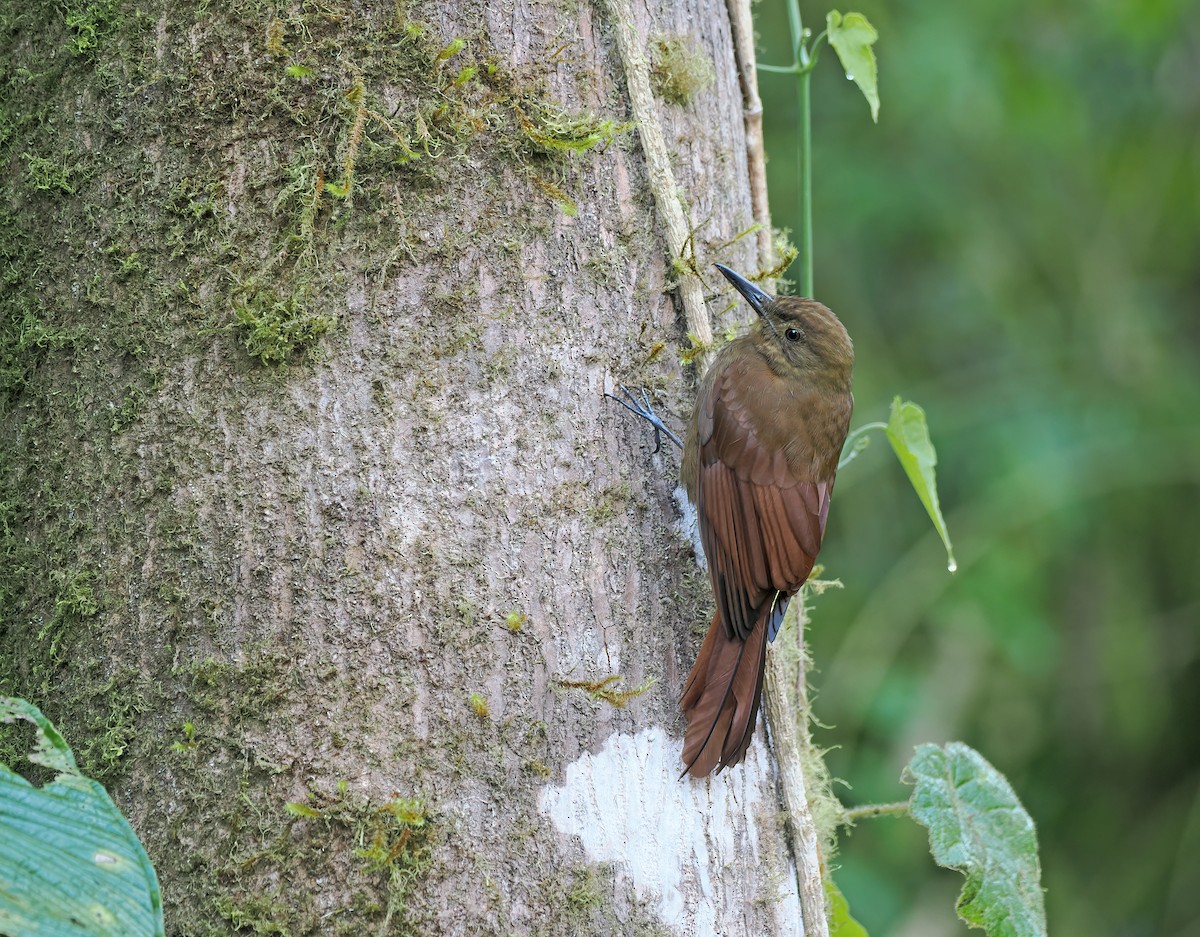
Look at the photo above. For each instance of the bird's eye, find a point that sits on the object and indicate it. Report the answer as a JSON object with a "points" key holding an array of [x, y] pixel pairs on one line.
{"points": [[792, 335]]}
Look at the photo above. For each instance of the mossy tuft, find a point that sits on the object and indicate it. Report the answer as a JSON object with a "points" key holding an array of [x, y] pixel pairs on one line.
{"points": [[606, 689], [678, 69], [479, 705], [553, 131], [276, 330], [49, 175], [90, 23]]}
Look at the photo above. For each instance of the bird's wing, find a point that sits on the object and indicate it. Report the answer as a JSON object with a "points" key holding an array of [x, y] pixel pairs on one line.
{"points": [[761, 520]]}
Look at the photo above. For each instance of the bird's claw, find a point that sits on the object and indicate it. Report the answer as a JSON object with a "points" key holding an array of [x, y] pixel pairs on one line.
{"points": [[643, 409]]}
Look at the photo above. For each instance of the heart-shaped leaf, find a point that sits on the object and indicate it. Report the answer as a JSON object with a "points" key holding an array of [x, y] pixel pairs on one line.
{"points": [[852, 36], [977, 825]]}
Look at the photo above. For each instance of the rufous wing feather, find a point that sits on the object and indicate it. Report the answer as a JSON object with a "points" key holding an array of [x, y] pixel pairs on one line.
{"points": [[761, 524]]}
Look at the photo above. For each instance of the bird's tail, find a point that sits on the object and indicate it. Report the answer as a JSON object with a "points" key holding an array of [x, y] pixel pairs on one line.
{"points": [[722, 696]]}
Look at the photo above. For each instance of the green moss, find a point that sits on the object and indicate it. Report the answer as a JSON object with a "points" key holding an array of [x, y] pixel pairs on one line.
{"points": [[565, 203], [479, 705], [515, 621], [678, 69], [555, 132], [111, 734], [137, 291], [76, 600], [106, 715], [254, 869], [584, 896], [452, 48], [76, 597], [132, 405], [585, 893], [611, 501], [605, 688], [188, 741], [276, 330], [238, 690], [785, 251], [45, 174], [393, 848], [91, 23], [694, 350], [252, 915]]}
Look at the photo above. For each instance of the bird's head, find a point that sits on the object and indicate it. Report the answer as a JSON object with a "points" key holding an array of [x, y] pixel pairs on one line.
{"points": [[797, 334]]}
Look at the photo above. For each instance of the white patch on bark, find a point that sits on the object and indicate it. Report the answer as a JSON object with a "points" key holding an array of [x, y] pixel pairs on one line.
{"points": [[689, 525], [692, 846]]}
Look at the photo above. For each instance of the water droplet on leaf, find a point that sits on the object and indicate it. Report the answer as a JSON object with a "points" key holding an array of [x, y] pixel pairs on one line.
{"points": [[952, 566]]}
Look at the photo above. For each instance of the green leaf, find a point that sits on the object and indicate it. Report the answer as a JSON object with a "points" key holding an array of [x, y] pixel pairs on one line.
{"points": [[841, 924], [70, 864], [977, 825], [852, 36], [909, 435], [299, 71]]}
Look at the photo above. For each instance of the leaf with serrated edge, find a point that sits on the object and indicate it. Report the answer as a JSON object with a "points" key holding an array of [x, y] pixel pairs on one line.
{"points": [[909, 435], [977, 825], [70, 864], [852, 36]]}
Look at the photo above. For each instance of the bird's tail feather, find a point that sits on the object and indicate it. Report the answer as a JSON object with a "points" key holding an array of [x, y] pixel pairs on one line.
{"points": [[722, 696]]}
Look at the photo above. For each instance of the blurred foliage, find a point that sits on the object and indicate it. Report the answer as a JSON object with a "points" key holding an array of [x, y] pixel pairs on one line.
{"points": [[1016, 246]]}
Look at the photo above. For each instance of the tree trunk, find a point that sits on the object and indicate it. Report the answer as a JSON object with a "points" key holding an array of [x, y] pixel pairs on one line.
{"points": [[323, 547]]}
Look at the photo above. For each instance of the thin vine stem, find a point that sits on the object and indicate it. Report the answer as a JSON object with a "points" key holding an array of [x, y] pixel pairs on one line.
{"points": [[854, 814], [797, 27], [855, 443], [804, 85], [803, 65], [803, 60], [862, 430]]}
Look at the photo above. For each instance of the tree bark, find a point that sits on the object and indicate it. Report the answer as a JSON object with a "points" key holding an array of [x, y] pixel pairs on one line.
{"points": [[324, 548]]}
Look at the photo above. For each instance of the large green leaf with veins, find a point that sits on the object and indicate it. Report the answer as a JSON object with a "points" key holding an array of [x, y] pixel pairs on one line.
{"points": [[70, 864]]}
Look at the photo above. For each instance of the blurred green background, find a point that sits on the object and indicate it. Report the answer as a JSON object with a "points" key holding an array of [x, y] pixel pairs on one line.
{"points": [[1016, 247]]}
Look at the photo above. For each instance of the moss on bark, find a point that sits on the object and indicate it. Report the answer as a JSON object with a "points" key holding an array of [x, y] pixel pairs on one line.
{"points": [[204, 336]]}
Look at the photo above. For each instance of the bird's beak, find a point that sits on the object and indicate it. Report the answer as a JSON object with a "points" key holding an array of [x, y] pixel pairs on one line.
{"points": [[757, 298]]}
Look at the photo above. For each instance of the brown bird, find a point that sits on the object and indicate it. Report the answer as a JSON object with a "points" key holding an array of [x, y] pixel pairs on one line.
{"points": [[759, 462]]}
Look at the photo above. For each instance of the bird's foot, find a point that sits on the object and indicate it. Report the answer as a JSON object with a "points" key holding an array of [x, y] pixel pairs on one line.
{"points": [[643, 409]]}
